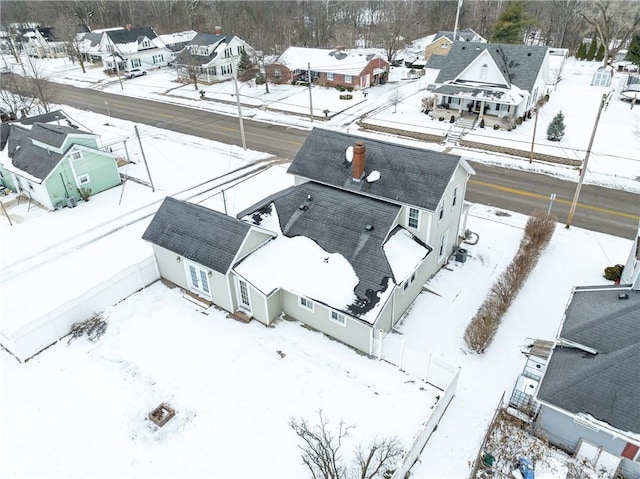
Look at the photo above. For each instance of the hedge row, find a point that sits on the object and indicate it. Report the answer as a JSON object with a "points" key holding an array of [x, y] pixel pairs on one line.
{"points": [[484, 325]]}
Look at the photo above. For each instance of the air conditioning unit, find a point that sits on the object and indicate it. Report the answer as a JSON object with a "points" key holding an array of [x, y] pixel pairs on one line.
{"points": [[71, 202]]}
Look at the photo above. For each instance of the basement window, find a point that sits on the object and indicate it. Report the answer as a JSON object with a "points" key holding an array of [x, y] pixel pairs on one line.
{"points": [[338, 318], [307, 303]]}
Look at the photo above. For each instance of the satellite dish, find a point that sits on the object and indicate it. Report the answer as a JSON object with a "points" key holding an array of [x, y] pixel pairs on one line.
{"points": [[349, 154]]}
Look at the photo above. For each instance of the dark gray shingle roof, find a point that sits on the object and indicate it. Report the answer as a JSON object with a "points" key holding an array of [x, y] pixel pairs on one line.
{"points": [[408, 175], [202, 39], [520, 64], [197, 233], [336, 220], [133, 35], [36, 160], [605, 385]]}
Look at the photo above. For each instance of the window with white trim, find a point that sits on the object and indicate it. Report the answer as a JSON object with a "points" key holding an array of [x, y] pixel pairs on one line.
{"points": [[240, 49], [413, 218], [158, 59], [306, 303], [146, 43], [330, 76], [84, 179], [441, 209], [228, 52], [76, 155], [135, 63], [455, 197], [484, 71], [348, 78], [226, 70], [338, 318]]}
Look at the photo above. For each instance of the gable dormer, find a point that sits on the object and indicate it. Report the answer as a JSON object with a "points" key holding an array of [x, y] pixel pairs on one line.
{"points": [[144, 43], [483, 69]]}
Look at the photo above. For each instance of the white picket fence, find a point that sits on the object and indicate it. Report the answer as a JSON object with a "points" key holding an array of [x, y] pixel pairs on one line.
{"points": [[45, 330], [391, 348]]}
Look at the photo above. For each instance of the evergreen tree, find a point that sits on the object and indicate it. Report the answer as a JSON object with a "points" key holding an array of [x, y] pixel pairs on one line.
{"points": [[633, 55], [591, 53], [582, 52], [555, 131], [512, 21], [246, 68], [600, 53]]}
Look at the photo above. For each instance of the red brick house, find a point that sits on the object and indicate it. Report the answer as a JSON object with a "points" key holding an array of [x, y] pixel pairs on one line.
{"points": [[355, 69]]}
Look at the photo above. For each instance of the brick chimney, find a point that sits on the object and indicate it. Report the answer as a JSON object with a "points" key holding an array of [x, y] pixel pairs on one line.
{"points": [[128, 26], [217, 30], [358, 161]]}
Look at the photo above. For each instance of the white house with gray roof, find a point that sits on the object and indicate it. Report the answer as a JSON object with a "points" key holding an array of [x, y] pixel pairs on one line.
{"points": [[494, 82], [345, 251], [213, 57], [589, 395]]}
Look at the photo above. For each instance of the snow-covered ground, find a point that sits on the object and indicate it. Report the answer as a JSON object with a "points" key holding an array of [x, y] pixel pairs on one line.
{"points": [[79, 410]]}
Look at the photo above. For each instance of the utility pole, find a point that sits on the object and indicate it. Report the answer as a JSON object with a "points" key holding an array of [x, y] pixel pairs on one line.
{"points": [[144, 158], [455, 28], [583, 170], [235, 84], [310, 97], [117, 69], [533, 138]]}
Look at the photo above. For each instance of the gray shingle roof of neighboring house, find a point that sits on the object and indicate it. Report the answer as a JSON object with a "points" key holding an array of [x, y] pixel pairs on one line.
{"points": [[605, 385], [38, 161], [197, 233], [408, 175], [135, 34], [202, 39], [44, 118], [337, 221], [520, 64]]}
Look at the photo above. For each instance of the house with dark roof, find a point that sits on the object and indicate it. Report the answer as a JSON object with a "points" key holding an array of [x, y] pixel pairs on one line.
{"points": [[212, 57], [491, 82], [357, 69], [345, 250], [126, 48], [588, 394], [55, 165], [440, 42]]}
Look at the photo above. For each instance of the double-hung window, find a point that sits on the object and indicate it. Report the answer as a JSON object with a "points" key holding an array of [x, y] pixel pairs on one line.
{"points": [[413, 219], [339, 318]]}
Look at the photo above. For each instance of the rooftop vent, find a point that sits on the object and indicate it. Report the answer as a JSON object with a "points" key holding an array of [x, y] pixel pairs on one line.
{"points": [[529, 54], [623, 296], [369, 227], [303, 207]]}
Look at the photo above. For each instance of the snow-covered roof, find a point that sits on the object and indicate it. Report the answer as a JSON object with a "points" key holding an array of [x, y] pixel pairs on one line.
{"points": [[348, 62], [178, 37]]}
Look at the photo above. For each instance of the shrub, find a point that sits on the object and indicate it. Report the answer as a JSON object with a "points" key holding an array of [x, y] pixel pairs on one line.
{"points": [[84, 193], [484, 325], [613, 273], [496, 127], [482, 123], [93, 328], [260, 80], [350, 88], [519, 120], [441, 118], [346, 96], [452, 119], [340, 88]]}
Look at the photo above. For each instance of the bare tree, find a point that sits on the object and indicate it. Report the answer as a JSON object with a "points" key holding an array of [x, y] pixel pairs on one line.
{"points": [[15, 95], [321, 452], [378, 459], [320, 448], [614, 22], [42, 90], [66, 31], [394, 99]]}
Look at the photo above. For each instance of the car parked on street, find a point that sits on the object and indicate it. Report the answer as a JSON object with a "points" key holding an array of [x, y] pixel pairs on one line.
{"points": [[134, 72]]}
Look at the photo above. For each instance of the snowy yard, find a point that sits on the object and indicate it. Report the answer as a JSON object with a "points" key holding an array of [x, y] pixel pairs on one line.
{"points": [[79, 410]]}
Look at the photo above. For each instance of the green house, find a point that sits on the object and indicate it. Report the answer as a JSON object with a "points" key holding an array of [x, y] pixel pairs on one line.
{"points": [[54, 164]]}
